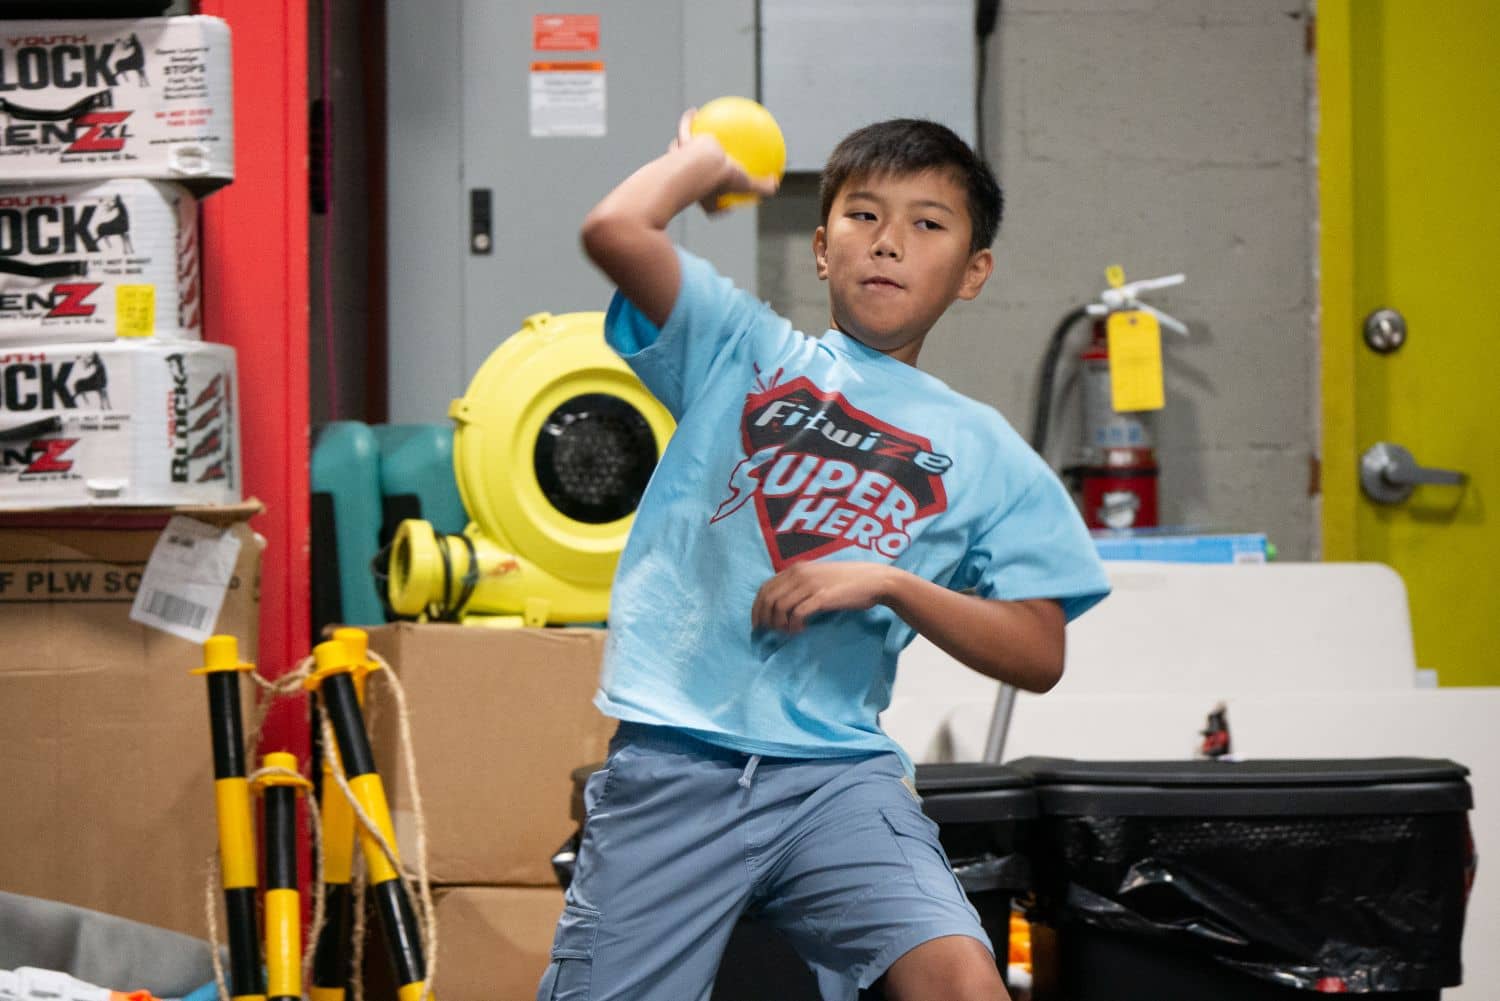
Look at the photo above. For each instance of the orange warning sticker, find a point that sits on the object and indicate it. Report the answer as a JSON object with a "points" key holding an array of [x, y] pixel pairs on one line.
{"points": [[565, 32], [577, 67]]}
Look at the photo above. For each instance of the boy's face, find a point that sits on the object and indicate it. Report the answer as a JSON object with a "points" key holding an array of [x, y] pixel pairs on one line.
{"points": [[895, 254]]}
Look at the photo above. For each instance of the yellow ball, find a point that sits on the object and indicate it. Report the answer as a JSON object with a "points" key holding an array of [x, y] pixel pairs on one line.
{"points": [[749, 135]]}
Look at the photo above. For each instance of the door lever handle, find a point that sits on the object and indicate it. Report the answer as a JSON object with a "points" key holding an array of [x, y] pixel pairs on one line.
{"points": [[1389, 473]]}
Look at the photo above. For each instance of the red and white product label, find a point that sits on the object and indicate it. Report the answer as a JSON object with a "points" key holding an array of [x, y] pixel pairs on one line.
{"points": [[130, 423], [565, 32], [96, 261], [149, 97]]}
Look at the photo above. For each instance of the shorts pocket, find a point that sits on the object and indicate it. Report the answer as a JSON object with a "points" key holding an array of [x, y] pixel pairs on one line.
{"points": [[594, 789], [570, 976], [917, 838]]}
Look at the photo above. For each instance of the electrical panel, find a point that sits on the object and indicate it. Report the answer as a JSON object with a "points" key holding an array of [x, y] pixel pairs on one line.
{"points": [[507, 122]]}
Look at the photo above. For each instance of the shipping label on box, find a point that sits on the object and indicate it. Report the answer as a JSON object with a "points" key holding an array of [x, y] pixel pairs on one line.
{"points": [[186, 579], [149, 97], [128, 423], [96, 261]]}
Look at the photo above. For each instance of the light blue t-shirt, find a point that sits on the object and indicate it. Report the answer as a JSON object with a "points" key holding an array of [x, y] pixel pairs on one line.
{"points": [[790, 448]]}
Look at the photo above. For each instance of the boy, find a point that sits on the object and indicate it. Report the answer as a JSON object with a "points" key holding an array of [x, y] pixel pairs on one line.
{"points": [[821, 501]]}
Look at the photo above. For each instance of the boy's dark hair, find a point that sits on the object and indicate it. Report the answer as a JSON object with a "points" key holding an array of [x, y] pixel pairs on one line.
{"points": [[910, 146]]}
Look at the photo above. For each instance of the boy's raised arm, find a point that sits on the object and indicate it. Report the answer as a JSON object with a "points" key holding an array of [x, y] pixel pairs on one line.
{"points": [[625, 234]]}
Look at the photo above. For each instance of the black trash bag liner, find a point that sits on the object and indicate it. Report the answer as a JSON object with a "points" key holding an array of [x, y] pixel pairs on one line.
{"points": [[988, 871], [1356, 904]]}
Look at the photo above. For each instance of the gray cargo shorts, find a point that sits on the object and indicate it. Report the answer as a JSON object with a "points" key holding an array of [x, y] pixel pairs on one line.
{"points": [[683, 837]]}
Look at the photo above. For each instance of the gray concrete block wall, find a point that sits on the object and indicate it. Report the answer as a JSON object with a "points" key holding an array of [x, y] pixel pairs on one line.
{"points": [[1161, 135]]}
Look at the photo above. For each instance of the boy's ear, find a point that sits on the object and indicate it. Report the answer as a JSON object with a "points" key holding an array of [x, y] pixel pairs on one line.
{"points": [[981, 265], [820, 252]]}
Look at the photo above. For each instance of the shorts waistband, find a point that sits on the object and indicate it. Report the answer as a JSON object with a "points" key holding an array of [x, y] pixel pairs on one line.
{"points": [[670, 738]]}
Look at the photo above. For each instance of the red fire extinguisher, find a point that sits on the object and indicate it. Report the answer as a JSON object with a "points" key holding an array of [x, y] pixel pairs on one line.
{"points": [[1116, 474]]}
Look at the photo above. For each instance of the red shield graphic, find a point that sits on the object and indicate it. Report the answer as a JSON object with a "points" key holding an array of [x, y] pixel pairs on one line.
{"points": [[827, 475]]}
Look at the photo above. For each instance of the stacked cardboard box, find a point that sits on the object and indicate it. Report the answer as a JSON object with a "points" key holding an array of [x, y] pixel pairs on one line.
{"points": [[499, 720], [106, 769]]}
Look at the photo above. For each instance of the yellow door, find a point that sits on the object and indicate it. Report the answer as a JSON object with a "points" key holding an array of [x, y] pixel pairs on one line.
{"points": [[1409, 182]]}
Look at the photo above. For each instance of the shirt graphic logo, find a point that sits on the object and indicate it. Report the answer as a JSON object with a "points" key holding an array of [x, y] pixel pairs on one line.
{"points": [[825, 475]]}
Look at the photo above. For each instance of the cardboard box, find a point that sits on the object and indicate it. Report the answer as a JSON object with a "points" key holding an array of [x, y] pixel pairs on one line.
{"points": [[499, 720], [494, 944], [106, 769]]}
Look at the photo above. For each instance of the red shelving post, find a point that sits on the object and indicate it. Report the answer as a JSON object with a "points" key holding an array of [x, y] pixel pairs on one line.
{"points": [[255, 276]]}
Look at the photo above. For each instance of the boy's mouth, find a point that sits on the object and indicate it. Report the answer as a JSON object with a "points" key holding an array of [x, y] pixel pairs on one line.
{"points": [[881, 282]]}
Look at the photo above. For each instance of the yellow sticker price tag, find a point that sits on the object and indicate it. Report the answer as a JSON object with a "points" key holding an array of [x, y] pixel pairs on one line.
{"points": [[135, 310], [1135, 376]]}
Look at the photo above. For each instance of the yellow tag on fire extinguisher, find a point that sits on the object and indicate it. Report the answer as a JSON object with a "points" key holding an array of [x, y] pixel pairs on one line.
{"points": [[1135, 377]]}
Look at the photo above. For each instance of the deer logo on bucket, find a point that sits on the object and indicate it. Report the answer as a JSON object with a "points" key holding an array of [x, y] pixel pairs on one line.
{"points": [[824, 475]]}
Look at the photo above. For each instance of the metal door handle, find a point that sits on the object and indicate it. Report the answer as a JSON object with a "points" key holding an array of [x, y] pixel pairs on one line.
{"points": [[1389, 473]]}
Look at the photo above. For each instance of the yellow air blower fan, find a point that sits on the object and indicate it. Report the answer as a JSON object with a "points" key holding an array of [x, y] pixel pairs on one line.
{"points": [[555, 441]]}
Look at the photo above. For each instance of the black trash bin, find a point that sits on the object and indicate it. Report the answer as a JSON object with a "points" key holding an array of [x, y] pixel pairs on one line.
{"points": [[1251, 881], [982, 812]]}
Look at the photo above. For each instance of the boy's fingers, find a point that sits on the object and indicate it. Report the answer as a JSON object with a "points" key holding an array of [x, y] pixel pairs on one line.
{"points": [[782, 607], [797, 604], [800, 612], [761, 609], [772, 605], [786, 608], [685, 126]]}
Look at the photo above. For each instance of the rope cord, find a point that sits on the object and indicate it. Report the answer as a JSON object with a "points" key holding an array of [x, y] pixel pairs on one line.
{"points": [[282, 687]]}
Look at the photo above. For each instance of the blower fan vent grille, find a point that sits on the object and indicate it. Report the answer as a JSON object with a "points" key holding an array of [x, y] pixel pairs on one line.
{"points": [[594, 457]]}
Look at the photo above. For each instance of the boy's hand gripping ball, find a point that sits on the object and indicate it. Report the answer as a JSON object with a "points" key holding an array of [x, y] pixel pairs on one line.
{"points": [[750, 137]]}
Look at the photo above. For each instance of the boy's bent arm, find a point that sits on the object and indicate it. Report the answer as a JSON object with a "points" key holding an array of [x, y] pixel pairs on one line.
{"points": [[1017, 642], [625, 234], [1020, 643]]}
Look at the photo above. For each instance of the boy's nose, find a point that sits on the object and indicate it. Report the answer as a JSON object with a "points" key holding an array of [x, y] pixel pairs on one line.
{"points": [[884, 246]]}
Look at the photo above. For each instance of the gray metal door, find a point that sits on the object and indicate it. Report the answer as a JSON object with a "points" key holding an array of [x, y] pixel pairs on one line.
{"points": [[462, 119]]}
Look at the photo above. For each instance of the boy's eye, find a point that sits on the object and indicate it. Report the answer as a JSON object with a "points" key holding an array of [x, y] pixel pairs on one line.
{"points": [[929, 224], [862, 215]]}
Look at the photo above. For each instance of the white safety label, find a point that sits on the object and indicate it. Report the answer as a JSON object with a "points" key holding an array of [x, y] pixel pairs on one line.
{"points": [[567, 99]]}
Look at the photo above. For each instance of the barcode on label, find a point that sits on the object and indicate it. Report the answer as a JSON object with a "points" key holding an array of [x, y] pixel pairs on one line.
{"points": [[178, 611]]}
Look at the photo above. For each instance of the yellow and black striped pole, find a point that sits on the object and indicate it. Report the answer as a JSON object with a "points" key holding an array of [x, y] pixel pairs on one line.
{"points": [[333, 676], [237, 863], [283, 896], [331, 954]]}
